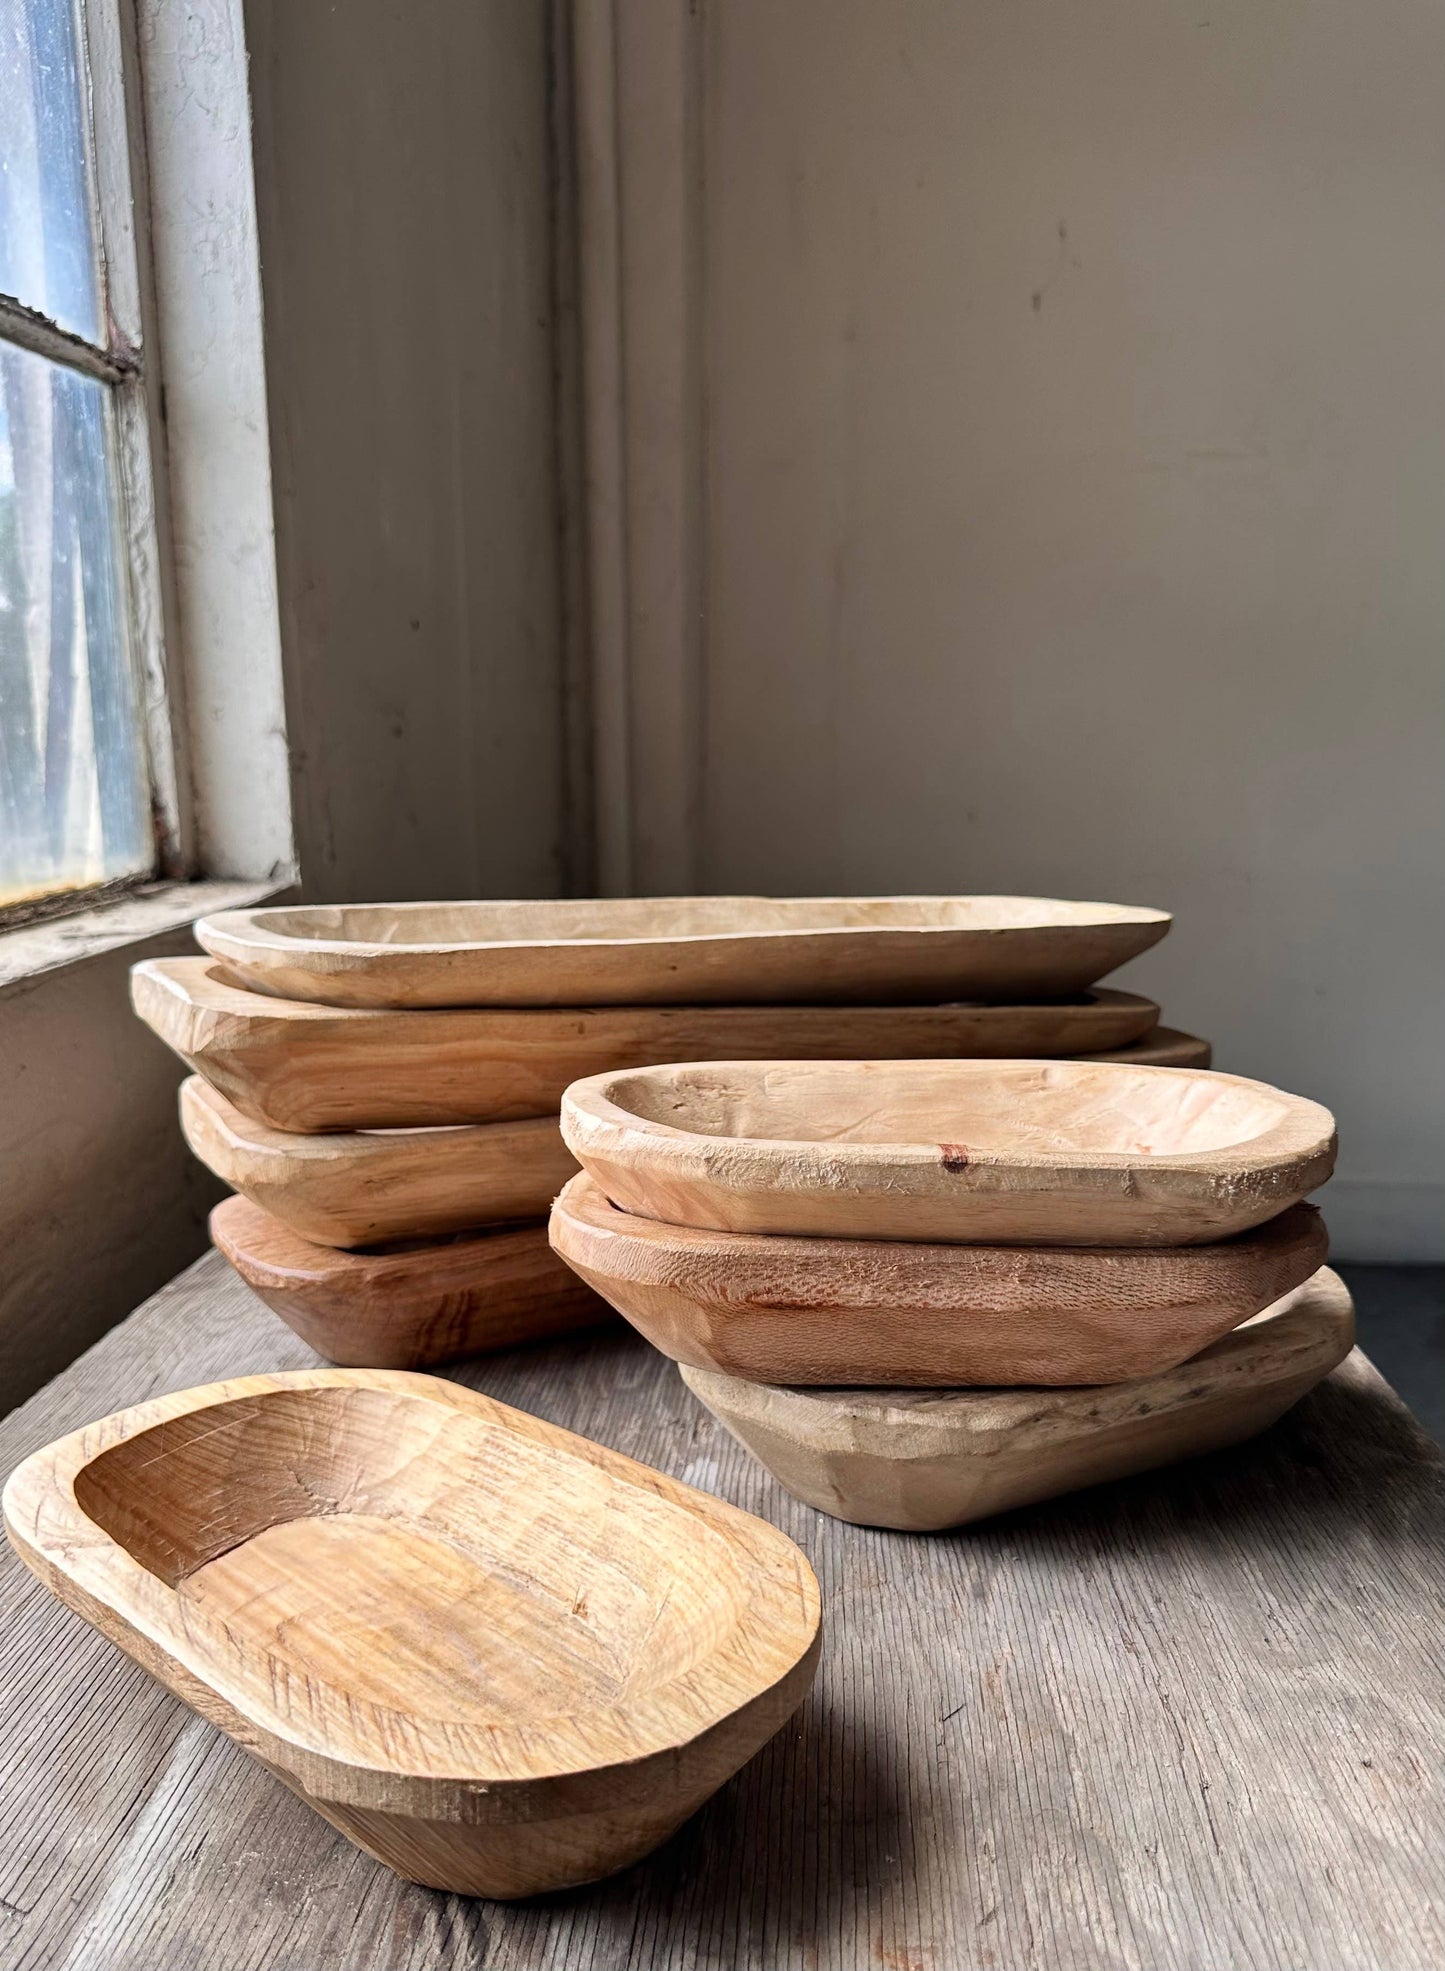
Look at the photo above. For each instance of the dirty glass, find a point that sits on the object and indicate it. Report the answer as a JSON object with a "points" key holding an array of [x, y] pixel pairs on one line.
{"points": [[74, 808], [74, 787], [47, 232]]}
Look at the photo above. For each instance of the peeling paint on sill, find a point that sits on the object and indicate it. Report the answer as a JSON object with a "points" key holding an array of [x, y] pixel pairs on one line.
{"points": [[29, 951]]}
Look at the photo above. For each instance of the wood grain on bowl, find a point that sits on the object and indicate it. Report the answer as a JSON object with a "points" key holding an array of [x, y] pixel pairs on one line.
{"points": [[322, 1068], [364, 1187], [788, 1310], [499, 1658], [679, 950], [984, 1152], [408, 1306], [920, 1460]]}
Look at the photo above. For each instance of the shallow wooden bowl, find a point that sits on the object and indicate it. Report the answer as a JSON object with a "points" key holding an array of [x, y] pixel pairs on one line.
{"points": [[920, 1460], [365, 1187], [986, 1152], [407, 1306], [679, 950], [828, 1311], [499, 1658], [318, 1068]]}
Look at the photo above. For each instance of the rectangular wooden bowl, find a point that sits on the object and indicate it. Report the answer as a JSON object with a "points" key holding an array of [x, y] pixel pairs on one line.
{"points": [[317, 1068], [497, 1657], [923, 1459], [830, 1311], [680, 951], [978, 1152], [412, 1305], [366, 1187]]}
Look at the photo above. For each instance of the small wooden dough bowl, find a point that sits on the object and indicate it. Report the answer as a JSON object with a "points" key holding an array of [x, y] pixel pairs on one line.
{"points": [[499, 1658], [921, 1460], [982, 1152], [782, 1310], [365, 1187], [407, 1306], [316, 1068], [679, 951]]}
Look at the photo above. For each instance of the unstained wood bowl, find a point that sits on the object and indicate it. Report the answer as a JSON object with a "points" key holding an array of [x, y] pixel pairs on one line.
{"points": [[1164, 1047], [408, 1306], [499, 1658], [366, 1187], [681, 951], [801, 1311], [983, 1152], [320, 1068], [924, 1459]]}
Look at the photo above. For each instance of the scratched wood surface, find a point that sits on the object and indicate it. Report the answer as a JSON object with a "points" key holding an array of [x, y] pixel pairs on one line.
{"points": [[1189, 1720]]}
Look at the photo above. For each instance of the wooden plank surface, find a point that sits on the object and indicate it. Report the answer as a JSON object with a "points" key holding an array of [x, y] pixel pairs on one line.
{"points": [[1189, 1720]]}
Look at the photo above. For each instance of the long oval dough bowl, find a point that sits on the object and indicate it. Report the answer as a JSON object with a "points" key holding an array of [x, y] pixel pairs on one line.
{"points": [[922, 1460], [981, 1152], [320, 1068], [499, 1658], [408, 1306], [366, 1186], [781, 1310], [679, 951]]}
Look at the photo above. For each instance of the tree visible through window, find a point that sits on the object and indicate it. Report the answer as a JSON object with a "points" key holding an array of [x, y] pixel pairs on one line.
{"points": [[75, 784]]}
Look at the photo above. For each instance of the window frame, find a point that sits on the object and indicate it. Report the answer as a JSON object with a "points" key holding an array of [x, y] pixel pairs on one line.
{"points": [[119, 186]]}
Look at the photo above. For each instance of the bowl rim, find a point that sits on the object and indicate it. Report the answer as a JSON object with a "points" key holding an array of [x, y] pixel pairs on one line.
{"points": [[593, 1122], [101, 1578], [261, 930], [196, 983]]}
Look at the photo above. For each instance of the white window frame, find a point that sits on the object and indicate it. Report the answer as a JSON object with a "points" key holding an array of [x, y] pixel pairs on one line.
{"points": [[113, 115], [176, 237]]}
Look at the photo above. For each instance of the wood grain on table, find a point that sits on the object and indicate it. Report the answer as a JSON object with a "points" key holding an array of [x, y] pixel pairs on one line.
{"points": [[1189, 1720]]}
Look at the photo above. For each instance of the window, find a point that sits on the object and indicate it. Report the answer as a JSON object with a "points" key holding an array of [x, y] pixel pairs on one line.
{"points": [[79, 614]]}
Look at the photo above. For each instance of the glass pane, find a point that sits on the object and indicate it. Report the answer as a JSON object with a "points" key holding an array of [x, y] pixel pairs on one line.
{"points": [[47, 242], [74, 797]]}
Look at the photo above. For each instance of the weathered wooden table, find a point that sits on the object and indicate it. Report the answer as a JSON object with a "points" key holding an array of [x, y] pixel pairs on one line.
{"points": [[1190, 1720]]}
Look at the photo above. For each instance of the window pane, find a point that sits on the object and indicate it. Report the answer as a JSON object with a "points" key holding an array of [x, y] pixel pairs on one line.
{"points": [[47, 243], [74, 796]]}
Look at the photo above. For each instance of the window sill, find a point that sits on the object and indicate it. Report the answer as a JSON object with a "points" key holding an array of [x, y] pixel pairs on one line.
{"points": [[30, 950]]}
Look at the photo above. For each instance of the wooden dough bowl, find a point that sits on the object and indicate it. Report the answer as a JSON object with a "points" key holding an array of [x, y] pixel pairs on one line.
{"points": [[920, 1460], [365, 1187], [1165, 1047], [854, 1311], [317, 1068], [679, 951], [499, 1658], [407, 1306], [984, 1152]]}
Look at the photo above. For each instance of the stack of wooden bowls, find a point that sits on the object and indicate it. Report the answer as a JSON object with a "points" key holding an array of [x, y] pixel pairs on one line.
{"points": [[380, 1083], [923, 1292]]}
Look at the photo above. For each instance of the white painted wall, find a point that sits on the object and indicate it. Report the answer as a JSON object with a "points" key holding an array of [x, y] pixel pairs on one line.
{"points": [[403, 190], [1070, 483]]}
